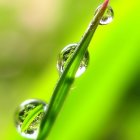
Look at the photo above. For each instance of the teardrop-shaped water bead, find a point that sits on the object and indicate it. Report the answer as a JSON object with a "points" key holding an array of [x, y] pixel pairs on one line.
{"points": [[28, 117], [107, 17], [66, 53]]}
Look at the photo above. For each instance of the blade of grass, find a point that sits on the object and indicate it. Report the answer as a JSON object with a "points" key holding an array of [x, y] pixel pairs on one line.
{"points": [[67, 78]]}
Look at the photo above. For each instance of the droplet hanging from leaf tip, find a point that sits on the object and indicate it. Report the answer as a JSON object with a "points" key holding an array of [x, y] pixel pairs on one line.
{"points": [[107, 17]]}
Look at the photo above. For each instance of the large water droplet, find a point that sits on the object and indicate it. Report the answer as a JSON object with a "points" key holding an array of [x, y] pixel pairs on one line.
{"points": [[108, 15], [28, 117], [66, 53]]}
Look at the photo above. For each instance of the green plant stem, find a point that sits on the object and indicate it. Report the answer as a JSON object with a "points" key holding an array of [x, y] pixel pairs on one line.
{"points": [[68, 76]]}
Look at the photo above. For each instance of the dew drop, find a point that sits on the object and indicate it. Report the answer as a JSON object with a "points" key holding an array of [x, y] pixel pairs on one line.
{"points": [[28, 117], [65, 54], [107, 17]]}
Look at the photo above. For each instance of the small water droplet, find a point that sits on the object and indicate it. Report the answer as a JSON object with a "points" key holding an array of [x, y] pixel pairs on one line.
{"points": [[24, 114], [66, 53], [107, 17]]}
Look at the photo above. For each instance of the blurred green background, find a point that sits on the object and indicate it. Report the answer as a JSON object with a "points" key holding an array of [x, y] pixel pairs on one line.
{"points": [[104, 103]]}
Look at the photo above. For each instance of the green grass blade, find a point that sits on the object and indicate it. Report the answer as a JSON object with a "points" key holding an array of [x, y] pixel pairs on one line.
{"points": [[68, 75]]}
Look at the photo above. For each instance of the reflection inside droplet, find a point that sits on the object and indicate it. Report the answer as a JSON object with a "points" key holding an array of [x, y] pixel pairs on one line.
{"points": [[107, 17], [28, 117], [65, 54]]}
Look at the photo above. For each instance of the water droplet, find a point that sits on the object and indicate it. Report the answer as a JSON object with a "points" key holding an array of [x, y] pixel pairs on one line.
{"points": [[66, 53], [28, 117], [107, 17]]}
